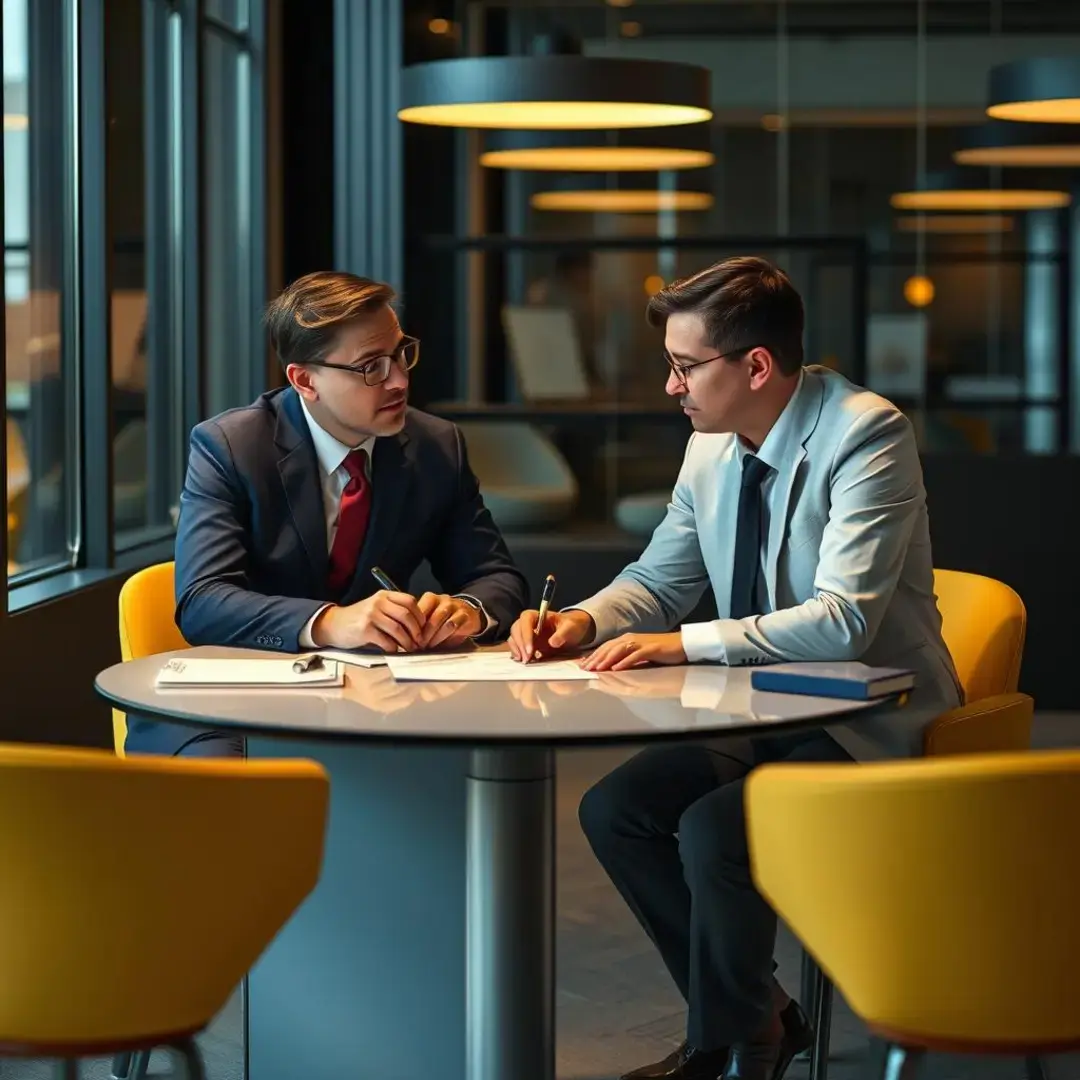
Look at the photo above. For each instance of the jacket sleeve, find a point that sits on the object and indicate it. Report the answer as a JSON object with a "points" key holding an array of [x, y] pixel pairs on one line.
{"points": [[215, 604], [657, 591], [876, 495], [470, 557]]}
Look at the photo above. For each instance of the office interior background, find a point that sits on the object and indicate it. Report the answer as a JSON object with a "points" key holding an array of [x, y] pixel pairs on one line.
{"points": [[168, 165]]}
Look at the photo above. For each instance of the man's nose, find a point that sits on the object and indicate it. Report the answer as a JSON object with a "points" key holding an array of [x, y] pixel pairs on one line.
{"points": [[398, 379]]}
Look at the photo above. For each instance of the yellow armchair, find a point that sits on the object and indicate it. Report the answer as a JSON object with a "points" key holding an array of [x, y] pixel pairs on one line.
{"points": [[147, 625], [75, 918], [984, 624], [961, 938]]}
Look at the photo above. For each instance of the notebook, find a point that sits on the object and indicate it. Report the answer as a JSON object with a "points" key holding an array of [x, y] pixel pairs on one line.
{"points": [[851, 679], [180, 672]]}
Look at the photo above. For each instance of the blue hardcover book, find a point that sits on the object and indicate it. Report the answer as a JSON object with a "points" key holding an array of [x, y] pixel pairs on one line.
{"points": [[850, 679]]}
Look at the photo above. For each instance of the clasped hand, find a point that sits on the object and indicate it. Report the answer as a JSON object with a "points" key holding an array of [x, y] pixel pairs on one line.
{"points": [[395, 621]]}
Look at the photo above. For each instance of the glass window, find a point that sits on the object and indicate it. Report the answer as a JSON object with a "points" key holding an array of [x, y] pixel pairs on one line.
{"points": [[231, 12], [42, 432]]}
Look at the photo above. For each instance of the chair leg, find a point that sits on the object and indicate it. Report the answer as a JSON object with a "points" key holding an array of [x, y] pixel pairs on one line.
{"points": [[819, 1053], [193, 1063], [121, 1066], [900, 1062], [808, 988], [1035, 1068], [140, 1065], [67, 1069], [808, 996]]}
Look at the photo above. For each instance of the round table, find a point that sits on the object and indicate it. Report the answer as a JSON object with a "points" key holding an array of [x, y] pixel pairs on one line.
{"points": [[427, 948]]}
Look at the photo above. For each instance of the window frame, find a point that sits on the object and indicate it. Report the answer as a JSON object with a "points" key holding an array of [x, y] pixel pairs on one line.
{"points": [[174, 91]]}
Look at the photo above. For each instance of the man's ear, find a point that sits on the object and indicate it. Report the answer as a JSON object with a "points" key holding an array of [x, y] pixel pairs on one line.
{"points": [[299, 377], [761, 367]]}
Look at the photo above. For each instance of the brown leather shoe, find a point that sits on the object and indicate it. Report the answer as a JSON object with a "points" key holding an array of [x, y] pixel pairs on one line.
{"points": [[685, 1063], [769, 1057]]}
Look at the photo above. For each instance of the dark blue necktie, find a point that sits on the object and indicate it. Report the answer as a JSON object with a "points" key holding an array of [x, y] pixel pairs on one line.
{"points": [[747, 569]]}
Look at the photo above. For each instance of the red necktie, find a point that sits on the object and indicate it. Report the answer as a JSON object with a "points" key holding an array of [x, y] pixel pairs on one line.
{"points": [[353, 514]]}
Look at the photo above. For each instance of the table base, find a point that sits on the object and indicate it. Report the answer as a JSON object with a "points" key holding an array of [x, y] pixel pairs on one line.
{"points": [[427, 948]]}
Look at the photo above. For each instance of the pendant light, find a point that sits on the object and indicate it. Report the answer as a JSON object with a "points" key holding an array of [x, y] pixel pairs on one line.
{"points": [[554, 93], [686, 146], [955, 224], [626, 193], [1011, 144], [976, 190], [1041, 90]]}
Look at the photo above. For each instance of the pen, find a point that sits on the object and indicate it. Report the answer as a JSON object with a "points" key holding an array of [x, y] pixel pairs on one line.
{"points": [[383, 580], [307, 663], [545, 601]]}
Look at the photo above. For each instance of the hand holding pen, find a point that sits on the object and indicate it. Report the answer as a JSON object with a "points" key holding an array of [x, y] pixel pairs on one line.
{"points": [[544, 633]]}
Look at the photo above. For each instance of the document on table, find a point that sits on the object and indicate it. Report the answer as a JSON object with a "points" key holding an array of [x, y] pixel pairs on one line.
{"points": [[483, 667], [373, 660]]}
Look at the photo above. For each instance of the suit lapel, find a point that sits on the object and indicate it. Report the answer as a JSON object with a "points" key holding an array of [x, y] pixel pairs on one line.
{"points": [[390, 477], [299, 470], [803, 422]]}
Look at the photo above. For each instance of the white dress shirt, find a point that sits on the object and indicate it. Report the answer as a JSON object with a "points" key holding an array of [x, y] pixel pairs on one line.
{"points": [[702, 641], [331, 455]]}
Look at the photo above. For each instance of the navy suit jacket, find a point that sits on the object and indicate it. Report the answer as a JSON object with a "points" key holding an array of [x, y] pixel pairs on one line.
{"points": [[251, 544]]}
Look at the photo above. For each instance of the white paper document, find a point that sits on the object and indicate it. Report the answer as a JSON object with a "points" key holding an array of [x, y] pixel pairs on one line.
{"points": [[213, 671], [373, 660], [356, 659], [483, 667]]}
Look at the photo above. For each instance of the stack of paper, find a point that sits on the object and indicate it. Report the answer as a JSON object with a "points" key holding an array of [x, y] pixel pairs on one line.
{"points": [[183, 672], [482, 667]]}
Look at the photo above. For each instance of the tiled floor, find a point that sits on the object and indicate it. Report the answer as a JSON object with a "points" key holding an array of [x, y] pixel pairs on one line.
{"points": [[616, 1007]]}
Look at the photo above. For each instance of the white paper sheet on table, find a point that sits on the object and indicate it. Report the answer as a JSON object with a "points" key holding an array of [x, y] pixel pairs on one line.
{"points": [[372, 660], [483, 667]]}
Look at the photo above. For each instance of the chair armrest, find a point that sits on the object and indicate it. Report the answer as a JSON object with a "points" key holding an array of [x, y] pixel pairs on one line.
{"points": [[998, 723]]}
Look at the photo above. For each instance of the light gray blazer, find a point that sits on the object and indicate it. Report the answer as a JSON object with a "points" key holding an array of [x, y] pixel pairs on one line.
{"points": [[847, 559]]}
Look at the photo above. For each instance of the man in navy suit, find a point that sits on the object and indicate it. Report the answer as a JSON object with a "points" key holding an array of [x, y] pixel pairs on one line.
{"points": [[291, 501]]}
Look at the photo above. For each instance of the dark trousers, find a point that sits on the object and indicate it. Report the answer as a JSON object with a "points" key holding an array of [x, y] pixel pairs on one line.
{"points": [[176, 740], [668, 827]]}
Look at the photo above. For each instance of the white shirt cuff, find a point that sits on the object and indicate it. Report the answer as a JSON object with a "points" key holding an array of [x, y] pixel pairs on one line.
{"points": [[488, 621], [306, 640], [703, 641]]}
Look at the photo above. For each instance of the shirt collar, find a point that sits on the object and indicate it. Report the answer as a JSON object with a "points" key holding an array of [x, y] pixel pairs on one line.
{"points": [[777, 443], [330, 451]]}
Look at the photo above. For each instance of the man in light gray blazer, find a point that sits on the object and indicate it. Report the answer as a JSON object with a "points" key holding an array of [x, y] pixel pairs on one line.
{"points": [[801, 503]]}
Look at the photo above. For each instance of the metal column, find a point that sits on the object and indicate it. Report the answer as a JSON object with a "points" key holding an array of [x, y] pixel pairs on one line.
{"points": [[1042, 343], [510, 916]]}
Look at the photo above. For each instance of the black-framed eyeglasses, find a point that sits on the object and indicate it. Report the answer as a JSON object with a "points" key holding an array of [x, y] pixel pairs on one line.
{"points": [[376, 369], [681, 371]]}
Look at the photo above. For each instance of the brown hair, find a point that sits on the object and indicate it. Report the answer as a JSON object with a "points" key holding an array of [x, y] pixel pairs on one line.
{"points": [[743, 302], [303, 322]]}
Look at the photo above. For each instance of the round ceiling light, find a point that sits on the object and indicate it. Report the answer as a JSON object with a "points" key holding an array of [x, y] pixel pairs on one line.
{"points": [[1010, 144], [629, 150], [955, 224], [1044, 90], [622, 202], [624, 194], [556, 92], [957, 191]]}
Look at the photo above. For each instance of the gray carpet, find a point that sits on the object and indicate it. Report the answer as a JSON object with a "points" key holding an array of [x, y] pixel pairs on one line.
{"points": [[616, 1007]]}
